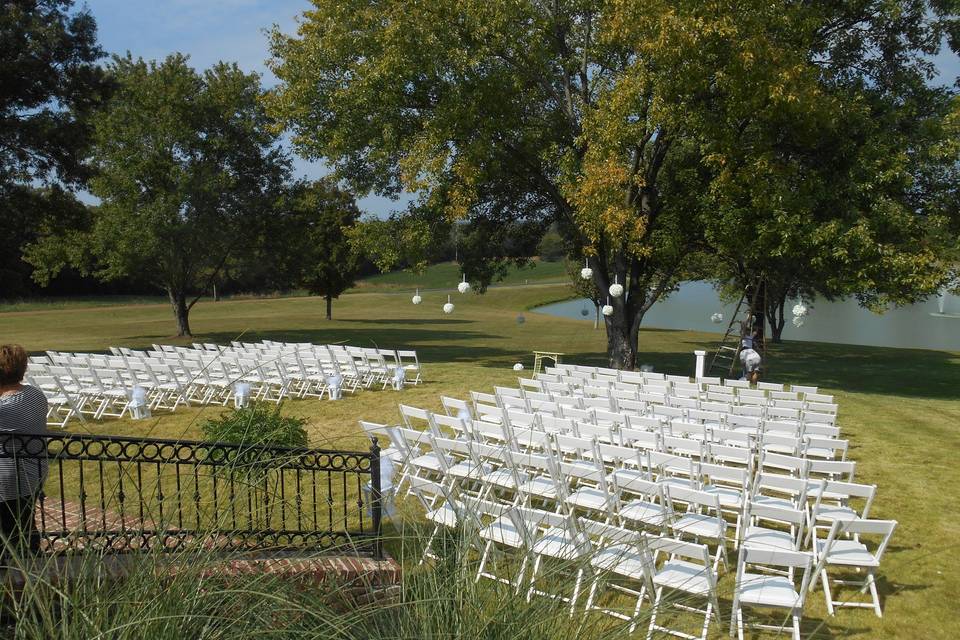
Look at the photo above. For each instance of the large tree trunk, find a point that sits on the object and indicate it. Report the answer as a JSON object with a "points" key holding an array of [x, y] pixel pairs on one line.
{"points": [[329, 299], [622, 338], [181, 311], [775, 316]]}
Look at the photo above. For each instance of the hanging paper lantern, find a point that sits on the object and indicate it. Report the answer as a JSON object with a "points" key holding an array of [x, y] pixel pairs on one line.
{"points": [[518, 366], [448, 308], [800, 310], [584, 312], [716, 318], [586, 273], [616, 289], [798, 321], [464, 286], [416, 298]]}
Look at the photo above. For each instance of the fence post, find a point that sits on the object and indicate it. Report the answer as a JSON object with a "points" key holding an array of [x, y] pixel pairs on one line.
{"points": [[376, 507]]}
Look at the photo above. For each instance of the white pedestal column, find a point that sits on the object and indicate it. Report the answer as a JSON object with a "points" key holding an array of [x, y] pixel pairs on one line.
{"points": [[701, 362]]}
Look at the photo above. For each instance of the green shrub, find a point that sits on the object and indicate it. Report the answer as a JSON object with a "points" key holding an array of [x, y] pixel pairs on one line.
{"points": [[257, 424]]}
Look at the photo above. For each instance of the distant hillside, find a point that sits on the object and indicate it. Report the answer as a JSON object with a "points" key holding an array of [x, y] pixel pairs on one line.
{"points": [[446, 275]]}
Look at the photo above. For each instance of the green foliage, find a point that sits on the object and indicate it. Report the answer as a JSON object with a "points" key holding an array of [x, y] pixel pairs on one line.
{"points": [[644, 130], [49, 82], [256, 424], [316, 239], [188, 171]]}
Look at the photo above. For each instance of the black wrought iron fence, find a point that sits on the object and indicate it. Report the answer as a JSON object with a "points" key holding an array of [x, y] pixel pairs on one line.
{"points": [[116, 493]]}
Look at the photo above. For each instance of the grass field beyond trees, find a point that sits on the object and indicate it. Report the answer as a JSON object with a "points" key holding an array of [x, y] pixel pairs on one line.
{"points": [[899, 408]]}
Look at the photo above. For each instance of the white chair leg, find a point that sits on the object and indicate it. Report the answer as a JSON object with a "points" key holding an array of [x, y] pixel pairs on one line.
{"points": [[872, 582], [826, 590], [576, 591], [533, 576], [653, 614]]}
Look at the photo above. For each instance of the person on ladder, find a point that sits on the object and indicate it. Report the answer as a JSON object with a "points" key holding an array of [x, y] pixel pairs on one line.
{"points": [[749, 357]]}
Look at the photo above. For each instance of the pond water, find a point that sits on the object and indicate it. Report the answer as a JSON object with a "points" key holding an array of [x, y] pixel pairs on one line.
{"points": [[933, 324]]}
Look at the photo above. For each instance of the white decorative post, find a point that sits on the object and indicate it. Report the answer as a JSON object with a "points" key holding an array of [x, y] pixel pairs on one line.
{"points": [[701, 360]]}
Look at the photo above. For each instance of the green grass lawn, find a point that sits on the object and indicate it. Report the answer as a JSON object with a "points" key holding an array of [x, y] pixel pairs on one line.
{"points": [[899, 408]]}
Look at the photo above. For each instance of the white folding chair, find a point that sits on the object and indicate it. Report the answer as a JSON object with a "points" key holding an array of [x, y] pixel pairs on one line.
{"points": [[770, 591], [852, 553], [687, 574]]}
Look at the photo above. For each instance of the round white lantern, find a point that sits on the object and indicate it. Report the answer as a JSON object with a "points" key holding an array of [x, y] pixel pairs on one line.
{"points": [[607, 310], [616, 289], [800, 310], [518, 366], [448, 308], [586, 273], [416, 298], [798, 321], [716, 318], [464, 286]]}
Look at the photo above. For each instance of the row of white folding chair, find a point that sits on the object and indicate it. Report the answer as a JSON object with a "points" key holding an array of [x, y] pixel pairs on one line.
{"points": [[681, 397], [713, 457], [741, 431], [639, 377], [599, 551], [760, 396], [815, 413]]}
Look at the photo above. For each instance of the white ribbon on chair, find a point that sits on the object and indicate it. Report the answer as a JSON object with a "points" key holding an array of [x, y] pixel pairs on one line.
{"points": [[139, 409], [335, 386], [241, 394], [399, 377]]}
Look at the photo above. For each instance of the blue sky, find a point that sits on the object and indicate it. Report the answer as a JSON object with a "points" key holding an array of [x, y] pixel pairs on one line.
{"points": [[233, 30]]}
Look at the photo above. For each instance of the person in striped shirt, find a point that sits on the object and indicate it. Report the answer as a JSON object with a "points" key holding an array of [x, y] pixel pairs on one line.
{"points": [[23, 412]]}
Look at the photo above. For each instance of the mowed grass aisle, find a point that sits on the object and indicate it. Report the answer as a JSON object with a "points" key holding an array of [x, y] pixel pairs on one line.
{"points": [[900, 409]]}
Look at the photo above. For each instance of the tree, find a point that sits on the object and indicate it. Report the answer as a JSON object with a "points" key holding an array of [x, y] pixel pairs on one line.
{"points": [[613, 119], [324, 261], [188, 172], [49, 82]]}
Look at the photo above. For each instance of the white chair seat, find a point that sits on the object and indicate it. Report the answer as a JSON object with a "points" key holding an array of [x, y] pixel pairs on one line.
{"points": [[504, 478], [624, 477], [729, 497], [622, 559], [835, 513], [766, 590], [430, 461], [762, 537], [502, 532], [491, 419], [541, 487], [848, 552], [646, 512], [683, 576], [700, 525], [445, 516], [588, 498], [469, 469], [557, 543]]}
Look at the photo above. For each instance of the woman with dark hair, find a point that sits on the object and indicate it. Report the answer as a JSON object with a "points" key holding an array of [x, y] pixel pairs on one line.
{"points": [[23, 412]]}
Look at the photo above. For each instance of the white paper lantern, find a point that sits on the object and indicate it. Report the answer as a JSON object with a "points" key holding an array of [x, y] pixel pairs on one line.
{"points": [[607, 310], [800, 310], [448, 308], [464, 286], [616, 289], [798, 321], [518, 366], [416, 298], [716, 318], [586, 273]]}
